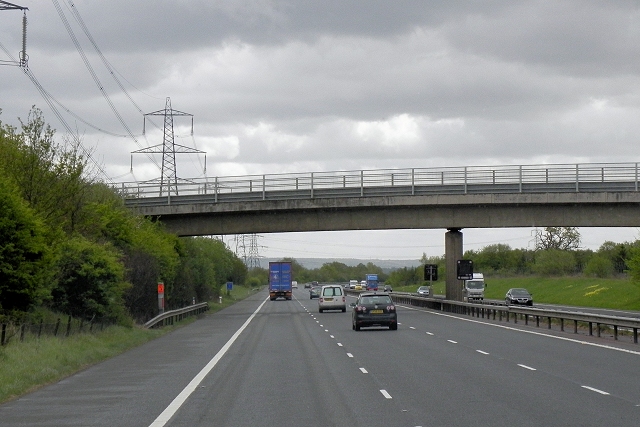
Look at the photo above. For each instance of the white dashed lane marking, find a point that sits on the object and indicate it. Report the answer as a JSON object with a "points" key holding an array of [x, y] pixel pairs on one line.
{"points": [[385, 394], [596, 390]]}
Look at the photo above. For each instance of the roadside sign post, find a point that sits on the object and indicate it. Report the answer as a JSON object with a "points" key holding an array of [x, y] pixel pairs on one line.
{"points": [[161, 297], [431, 274], [229, 287]]}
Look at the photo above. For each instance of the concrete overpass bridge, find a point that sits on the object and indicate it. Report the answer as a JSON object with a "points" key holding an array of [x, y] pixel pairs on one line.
{"points": [[451, 198]]}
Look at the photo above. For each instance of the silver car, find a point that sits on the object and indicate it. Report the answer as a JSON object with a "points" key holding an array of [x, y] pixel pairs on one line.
{"points": [[332, 298], [424, 291]]}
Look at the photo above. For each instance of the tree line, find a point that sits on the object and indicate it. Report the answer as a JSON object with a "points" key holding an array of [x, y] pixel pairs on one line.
{"points": [[557, 253], [68, 243]]}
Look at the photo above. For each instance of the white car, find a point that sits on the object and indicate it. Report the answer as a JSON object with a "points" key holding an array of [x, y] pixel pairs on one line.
{"points": [[294, 285], [332, 298]]}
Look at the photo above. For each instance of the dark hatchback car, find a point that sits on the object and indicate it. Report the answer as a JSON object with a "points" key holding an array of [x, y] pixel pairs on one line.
{"points": [[314, 292], [519, 296], [374, 309]]}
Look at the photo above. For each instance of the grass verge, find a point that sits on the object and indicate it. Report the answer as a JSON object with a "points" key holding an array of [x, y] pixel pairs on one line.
{"points": [[620, 294], [26, 366]]}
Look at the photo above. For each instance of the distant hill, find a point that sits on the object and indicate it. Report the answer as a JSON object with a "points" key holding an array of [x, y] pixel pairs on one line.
{"points": [[313, 263]]}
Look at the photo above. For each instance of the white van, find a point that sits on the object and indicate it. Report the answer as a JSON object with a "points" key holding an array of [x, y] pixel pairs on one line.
{"points": [[332, 298]]}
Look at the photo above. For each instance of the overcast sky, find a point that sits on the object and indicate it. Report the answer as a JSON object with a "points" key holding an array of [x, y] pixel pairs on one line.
{"points": [[299, 86]]}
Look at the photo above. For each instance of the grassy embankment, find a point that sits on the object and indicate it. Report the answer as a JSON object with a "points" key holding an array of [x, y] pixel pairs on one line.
{"points": [[25, 366], [620, 294]]}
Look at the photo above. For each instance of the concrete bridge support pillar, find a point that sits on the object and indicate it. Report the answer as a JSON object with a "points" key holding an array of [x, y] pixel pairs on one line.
{"points": [[452, 253]]}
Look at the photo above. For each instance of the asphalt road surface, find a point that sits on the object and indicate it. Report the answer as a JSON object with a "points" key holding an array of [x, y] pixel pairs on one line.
{"points": [[281, 363]]}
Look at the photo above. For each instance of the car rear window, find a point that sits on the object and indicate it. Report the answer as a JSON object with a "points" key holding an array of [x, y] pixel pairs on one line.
{"points": [[330, 292], [376, 300]]}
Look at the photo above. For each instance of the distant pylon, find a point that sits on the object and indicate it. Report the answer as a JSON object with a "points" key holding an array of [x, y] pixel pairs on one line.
{"points": [[248, 249], [254, 255], [168, 175]]}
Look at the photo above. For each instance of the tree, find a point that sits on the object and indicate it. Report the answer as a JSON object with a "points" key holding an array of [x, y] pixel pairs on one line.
{"points": [[554, 262], [23, 253], [90, 280], [599, 266], [562, 238]]}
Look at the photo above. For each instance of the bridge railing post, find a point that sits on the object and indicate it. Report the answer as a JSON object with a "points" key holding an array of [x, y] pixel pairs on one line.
{"points": [[413, 182], [465, 180], [312, 185], [520, 179], [215, 189]]}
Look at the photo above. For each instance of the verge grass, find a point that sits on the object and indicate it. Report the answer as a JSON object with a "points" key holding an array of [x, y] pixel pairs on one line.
{"points": [[26, 366], [619, 293]]}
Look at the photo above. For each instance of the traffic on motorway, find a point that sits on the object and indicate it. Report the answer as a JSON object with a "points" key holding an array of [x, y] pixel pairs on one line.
{"points": [[282, 362]]}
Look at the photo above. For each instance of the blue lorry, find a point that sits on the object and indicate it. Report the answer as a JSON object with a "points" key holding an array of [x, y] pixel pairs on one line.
{"points": [[280, 280], [372, 282]]}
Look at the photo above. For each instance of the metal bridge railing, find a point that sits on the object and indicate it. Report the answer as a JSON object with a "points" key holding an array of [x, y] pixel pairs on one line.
{"points": [[439, 180]]}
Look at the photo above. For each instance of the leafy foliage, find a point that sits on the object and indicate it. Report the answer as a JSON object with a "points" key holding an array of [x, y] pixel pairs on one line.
{"points": [[554, 262], [23, 253], [561, 238], [90, 280]]}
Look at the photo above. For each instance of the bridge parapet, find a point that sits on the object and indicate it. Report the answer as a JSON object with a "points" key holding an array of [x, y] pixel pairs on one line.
{"points": [[559, 178]]}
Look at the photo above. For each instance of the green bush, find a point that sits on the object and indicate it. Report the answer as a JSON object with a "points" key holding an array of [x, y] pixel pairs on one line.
{"points": [[599, 266]]}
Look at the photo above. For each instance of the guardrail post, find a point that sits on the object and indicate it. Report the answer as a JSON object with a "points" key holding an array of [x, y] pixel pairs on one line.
{"points": [[636, 176], [635, 335], [312, 185], [615, 332], [361, 183], [215, 188], [577, 178], [548, 322], [575, 326], [264, 187]]}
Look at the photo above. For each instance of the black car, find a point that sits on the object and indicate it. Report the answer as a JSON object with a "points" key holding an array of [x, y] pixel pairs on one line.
{"points": [[518, 296], [387, 288], [374, 309], [314, 292]]}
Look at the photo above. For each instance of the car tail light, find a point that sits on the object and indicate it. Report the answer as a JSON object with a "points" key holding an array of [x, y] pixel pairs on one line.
{"points": [[343, 300], [391, 308], [361, 309]]}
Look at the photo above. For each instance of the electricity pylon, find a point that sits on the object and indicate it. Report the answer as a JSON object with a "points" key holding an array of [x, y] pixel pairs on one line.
{"points": [[168, 175]]}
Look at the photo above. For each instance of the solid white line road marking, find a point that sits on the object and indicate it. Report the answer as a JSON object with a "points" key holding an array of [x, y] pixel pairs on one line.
{"points": [[596, 390], [385, 394], [527, 367], [173, 407], [482, 352], [364, 371]]}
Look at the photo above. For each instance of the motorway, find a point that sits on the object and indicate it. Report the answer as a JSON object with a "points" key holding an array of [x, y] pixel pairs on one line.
{"points": [[281, 363]]}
